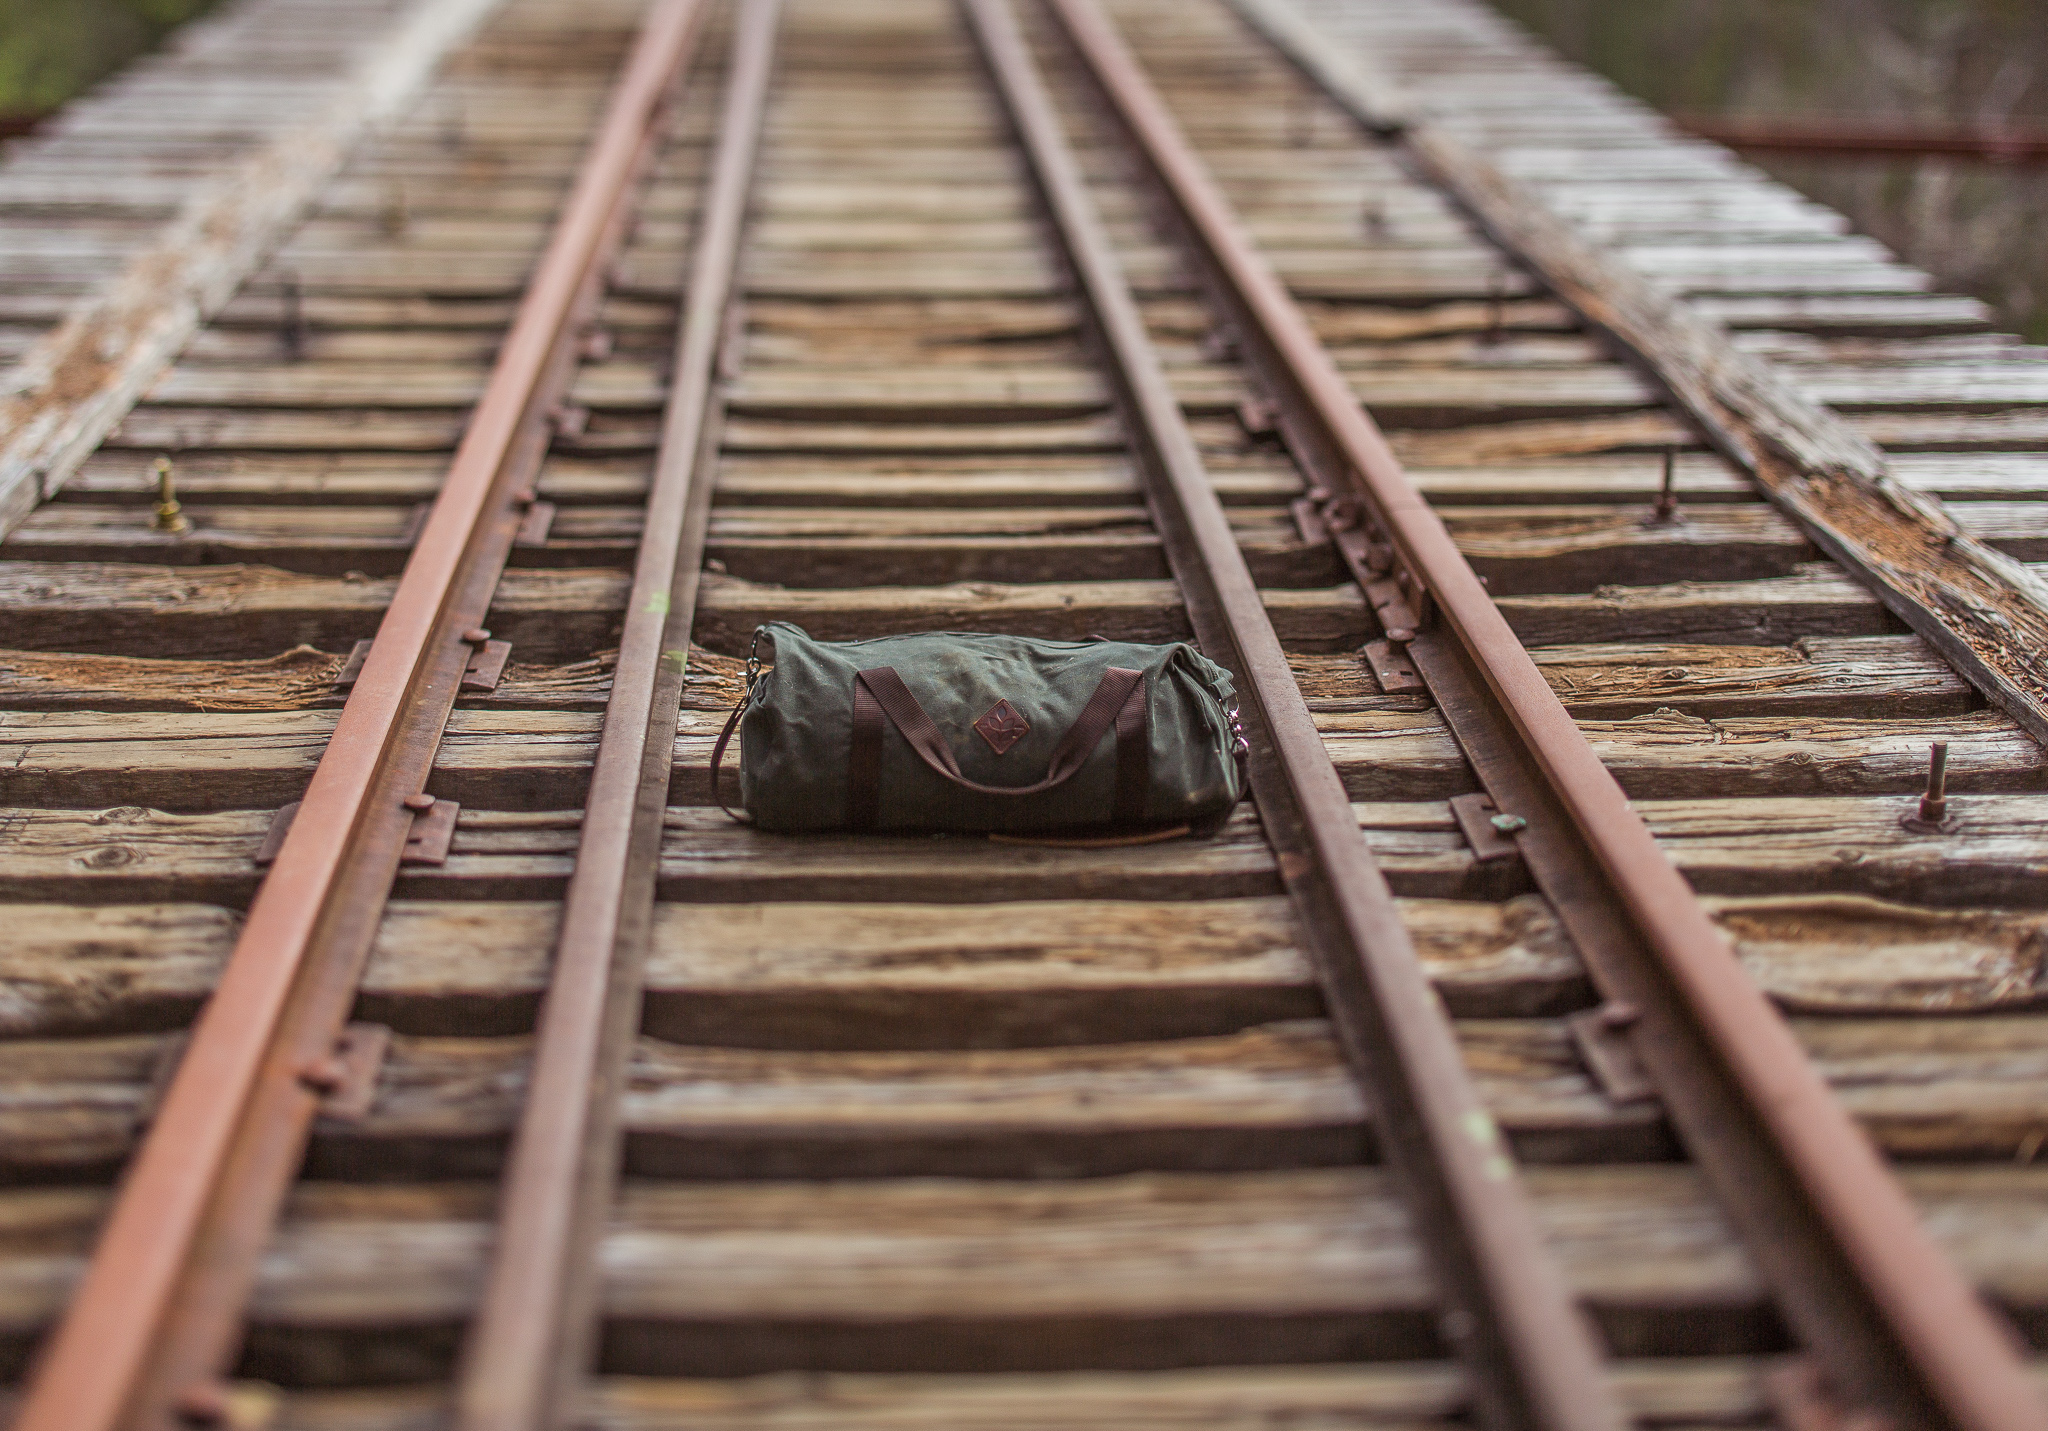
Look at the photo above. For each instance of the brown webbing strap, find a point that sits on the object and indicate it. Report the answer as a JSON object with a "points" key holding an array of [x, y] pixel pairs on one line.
{"points": [[864, 760], [1118, 700], [718, 760], [1133, 757]]}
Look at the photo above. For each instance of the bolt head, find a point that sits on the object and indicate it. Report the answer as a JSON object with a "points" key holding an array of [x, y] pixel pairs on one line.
{"points": [[476, 635], [323, 1075], [421, 802], [202, 1404], [1400, 635], [1619, 1013]]}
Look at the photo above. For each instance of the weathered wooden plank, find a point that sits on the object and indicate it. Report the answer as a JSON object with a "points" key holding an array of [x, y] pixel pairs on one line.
{"points": [[1981, 610], [301, 678], [728, 611], [337, 479], [1520, 550], [1816, 601], [254, 611], [1851, 845], [78, 382], [811, 975], [1831, 313], [523, 760], [1094, 435], [1847, 845], [130, 853], [1702, 477], [817, 546], [1146, 1271], [1693, 1390], [1273, 1095], [849, 976], [1892, 676], [1014, 481], [1409, 755]]}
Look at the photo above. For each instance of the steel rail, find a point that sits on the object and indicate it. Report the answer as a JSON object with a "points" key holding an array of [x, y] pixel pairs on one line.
{"points": [[528, 1346], [1532, 1357], [1839, 1242], [163, 1292]]}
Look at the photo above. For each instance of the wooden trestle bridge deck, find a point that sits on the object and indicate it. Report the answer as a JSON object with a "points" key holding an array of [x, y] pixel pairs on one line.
{"points": [[909, 314]]}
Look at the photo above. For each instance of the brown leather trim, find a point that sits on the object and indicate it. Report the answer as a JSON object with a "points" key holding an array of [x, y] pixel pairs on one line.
{"points": [[1133, 756], [718, 761], [1068, 757], [864, 759]]}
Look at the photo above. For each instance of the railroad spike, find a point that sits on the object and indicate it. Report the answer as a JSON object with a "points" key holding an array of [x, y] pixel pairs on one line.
{"points": [[291, 328], [1931, 814], [203, 1404], [1666, 511], [323, 1075], [170, 516], [1496, 308]]}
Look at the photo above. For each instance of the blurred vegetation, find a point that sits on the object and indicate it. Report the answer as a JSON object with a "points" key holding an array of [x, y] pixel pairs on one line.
{"points": [[1977, 227], [52, 49]]}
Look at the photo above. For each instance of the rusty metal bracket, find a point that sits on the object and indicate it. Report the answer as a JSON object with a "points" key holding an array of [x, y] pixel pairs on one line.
{"points": [[273, 838], [486, 667], [569, 419], [352, 668], [1391, 608], [1801, 1399], [534, 526], [732, 343], [1308, 519], [433, 831], [1259, 417], [427, 843], [1489, 832], [229, 1405], [1601, 1040], [346, 1079], [1391, 667]]}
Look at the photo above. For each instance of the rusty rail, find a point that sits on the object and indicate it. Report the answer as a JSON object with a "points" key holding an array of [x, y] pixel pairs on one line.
{"points": [[1894, 1324], [529, 1345], [1532, 1358], [158, 1314]]}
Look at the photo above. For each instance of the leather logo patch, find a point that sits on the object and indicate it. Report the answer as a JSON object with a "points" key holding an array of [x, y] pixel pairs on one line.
{"points": [[1002, 727]]}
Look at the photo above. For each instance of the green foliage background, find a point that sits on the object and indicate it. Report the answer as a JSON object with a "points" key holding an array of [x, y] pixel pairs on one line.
{"points": [[51, 49], [1976, 227]]}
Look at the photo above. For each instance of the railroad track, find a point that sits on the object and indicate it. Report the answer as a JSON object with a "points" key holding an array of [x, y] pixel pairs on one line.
{"points": [[1036, 318]]}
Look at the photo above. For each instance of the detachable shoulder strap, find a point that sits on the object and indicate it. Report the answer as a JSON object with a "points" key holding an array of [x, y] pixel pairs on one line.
{"points": [[1119, 702], [718, 759]]}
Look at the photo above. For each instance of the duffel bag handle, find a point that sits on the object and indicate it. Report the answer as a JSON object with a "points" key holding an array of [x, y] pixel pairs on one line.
{"points": [[1119, 700]]}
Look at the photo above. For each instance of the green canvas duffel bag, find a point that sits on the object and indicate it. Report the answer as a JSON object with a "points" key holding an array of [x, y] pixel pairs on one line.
{"points": [[952, 730]]}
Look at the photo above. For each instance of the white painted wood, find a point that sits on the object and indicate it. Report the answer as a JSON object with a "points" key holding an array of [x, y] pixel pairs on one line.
{"points": [[71, 388]]}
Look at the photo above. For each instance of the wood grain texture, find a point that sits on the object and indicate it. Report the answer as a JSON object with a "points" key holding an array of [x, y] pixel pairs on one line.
{"points": [[1268, 1096], [1983, 611], [1115, 1273], [77, 383]]}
